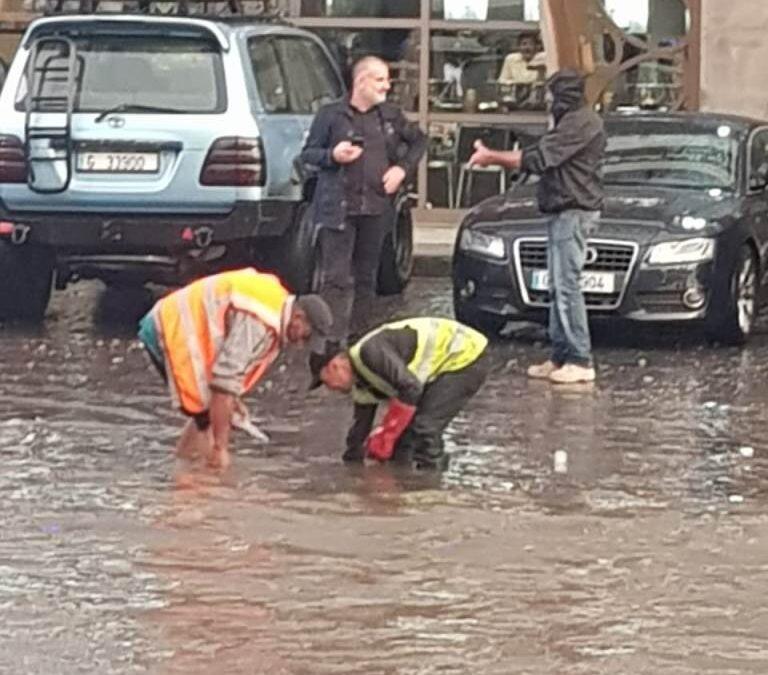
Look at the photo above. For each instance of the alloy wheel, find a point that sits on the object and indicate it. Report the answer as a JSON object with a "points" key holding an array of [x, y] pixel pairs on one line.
{"points": [[746, 287]]}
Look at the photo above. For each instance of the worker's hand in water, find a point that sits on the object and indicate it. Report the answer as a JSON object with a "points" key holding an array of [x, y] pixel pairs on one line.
{"points": [[381, 441], [380, 444], [219, 459]]}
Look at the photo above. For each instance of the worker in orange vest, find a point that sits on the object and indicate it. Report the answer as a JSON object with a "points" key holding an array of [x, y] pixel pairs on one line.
{"points": [[214, 339]]}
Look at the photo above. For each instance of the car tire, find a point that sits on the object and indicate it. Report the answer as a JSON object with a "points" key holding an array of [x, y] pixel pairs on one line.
{"points": [[733, 324], [300, 269], [26, 280], [396, 262], [485, 322]]}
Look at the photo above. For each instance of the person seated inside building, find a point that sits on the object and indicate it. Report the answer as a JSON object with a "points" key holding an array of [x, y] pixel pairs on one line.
{"points": [[526, 65]]}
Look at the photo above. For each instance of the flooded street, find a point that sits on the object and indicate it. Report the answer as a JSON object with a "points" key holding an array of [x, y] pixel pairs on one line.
{"points": [[619, 528]]}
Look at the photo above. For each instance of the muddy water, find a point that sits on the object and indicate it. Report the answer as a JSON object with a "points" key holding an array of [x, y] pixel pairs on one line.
{"points": [[642, 549]]}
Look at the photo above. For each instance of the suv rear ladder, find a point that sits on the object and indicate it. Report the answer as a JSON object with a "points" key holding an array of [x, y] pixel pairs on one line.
{"points": [[40, 108]]}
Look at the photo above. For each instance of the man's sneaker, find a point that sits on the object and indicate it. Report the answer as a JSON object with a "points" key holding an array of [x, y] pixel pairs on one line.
{"points": [[572, 373], [542, 371]]}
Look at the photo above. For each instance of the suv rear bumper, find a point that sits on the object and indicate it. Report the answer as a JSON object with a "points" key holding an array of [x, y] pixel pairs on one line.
{"points": [[137, 248], [105, 233]]}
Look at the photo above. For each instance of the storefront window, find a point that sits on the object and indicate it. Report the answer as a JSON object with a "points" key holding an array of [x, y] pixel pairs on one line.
{"points": [[451, 182], [655, 37], [361, 8], [399, 48], [488, 72], [484, 78], [486, 10]]}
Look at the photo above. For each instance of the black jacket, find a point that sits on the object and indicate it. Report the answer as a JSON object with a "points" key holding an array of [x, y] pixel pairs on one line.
{"points": [[568, 157], [387, 354], [405, 143]]}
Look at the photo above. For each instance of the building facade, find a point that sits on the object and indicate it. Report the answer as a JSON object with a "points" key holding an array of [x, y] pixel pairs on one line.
{"points": [[468, 69]]}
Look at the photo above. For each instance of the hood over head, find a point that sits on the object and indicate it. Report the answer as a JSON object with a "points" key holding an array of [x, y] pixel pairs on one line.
{"points": [[567, 89]]}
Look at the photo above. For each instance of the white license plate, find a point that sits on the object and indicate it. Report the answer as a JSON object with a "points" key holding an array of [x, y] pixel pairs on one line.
{"points": [[118, 162], [591, 282]]}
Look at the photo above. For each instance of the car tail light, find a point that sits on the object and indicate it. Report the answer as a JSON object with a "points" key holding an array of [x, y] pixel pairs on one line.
{"points": [[234, 161], [13, 162]]}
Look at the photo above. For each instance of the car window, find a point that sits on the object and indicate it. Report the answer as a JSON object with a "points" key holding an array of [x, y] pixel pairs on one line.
{"points": [[293, 74], [311, 80], [671, 157], [177, 74], [268, 75], [758, 159]]}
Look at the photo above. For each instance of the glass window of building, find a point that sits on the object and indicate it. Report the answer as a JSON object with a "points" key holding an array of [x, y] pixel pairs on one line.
{"points": [[486, 72], [361, 8]]}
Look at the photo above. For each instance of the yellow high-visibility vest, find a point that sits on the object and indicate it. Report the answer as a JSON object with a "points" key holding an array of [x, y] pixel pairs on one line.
{"points": [[442, 346], [191, 324]]}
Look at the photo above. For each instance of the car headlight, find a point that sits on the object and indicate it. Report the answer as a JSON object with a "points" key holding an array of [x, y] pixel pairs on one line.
{"points": [[695, 250], [484, 244], [692, 223]]}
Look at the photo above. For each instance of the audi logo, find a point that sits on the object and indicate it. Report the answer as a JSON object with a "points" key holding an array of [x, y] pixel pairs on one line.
{"points": [[590, 256]]}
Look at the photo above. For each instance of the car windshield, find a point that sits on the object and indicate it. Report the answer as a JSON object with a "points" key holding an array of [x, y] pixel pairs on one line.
{"points": [[138, 73], [696, 160]]}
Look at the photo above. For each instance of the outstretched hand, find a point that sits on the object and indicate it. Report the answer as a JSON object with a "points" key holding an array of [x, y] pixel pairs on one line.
{"points": [[482, 156]]}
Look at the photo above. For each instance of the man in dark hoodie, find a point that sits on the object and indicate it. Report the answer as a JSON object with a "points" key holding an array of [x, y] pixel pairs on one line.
{"points": [[570, 191]]}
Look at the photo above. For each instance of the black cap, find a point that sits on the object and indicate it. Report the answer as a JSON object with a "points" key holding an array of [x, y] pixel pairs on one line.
{"points": [[319, 360]]}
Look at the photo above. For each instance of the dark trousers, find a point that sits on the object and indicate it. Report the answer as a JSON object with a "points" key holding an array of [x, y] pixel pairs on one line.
{"points": [[442, 400], [349, 265]]}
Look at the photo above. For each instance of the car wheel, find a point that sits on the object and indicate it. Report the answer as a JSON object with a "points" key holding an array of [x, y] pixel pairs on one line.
{"points": [[396, 263], [485, 322], [734, 325], [300, 254], [26, 278]]}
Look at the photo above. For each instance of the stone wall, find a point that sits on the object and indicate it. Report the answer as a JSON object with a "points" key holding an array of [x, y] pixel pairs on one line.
{"points": [[734, 54]]}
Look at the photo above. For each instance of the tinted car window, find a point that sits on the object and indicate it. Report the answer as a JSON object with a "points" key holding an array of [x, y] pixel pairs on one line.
{"points": [[293, 74], [180, 75], [672, 156], [758, 159]]}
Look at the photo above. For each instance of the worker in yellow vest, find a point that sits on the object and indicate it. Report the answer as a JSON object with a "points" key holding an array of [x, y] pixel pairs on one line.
{"points": [[427, 369], [214, 339]]}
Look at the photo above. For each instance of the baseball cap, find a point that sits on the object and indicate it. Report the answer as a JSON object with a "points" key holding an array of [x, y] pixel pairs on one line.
{"points": [[320, 359], [319, 317]]}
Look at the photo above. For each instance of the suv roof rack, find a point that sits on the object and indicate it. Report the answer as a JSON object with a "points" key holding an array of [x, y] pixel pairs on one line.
{"points": [[235, 11]]}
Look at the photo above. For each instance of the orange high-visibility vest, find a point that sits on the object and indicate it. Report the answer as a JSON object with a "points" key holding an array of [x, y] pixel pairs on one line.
{"points": [[191, 324]]}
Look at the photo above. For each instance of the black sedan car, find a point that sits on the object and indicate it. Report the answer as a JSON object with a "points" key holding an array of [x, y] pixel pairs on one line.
{"points": [[683, 235]]}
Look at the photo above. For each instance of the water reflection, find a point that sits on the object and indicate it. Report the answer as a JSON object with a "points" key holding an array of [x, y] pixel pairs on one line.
{"points": [[645, 554]]}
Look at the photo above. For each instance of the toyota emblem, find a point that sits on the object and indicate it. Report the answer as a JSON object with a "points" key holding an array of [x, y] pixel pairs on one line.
{"points": [[116, 122], [591, 255]]}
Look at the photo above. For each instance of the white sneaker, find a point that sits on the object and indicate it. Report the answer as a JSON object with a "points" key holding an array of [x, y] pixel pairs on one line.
{"points": [[542, 371], [572, 373]]}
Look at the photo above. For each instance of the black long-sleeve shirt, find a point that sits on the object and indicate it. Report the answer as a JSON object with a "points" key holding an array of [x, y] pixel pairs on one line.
{"points": [[386, 354]]}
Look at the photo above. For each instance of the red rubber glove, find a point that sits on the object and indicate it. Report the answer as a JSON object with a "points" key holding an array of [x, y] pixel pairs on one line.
{"points": [[381, 441]]}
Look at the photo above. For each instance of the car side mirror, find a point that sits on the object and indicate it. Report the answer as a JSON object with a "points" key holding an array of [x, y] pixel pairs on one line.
{"points": [[759, 179]]}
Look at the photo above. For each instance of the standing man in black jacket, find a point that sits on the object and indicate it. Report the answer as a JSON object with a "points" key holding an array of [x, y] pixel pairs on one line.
{"points": [[363, 148], [568, 158]]}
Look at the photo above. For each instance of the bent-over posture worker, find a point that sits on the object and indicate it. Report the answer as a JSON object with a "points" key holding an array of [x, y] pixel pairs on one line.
{"points": [[214, 339], [426, 368]]}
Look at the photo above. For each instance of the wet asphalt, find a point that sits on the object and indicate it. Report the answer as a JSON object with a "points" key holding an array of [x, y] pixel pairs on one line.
{"points": [[614, 528]]}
